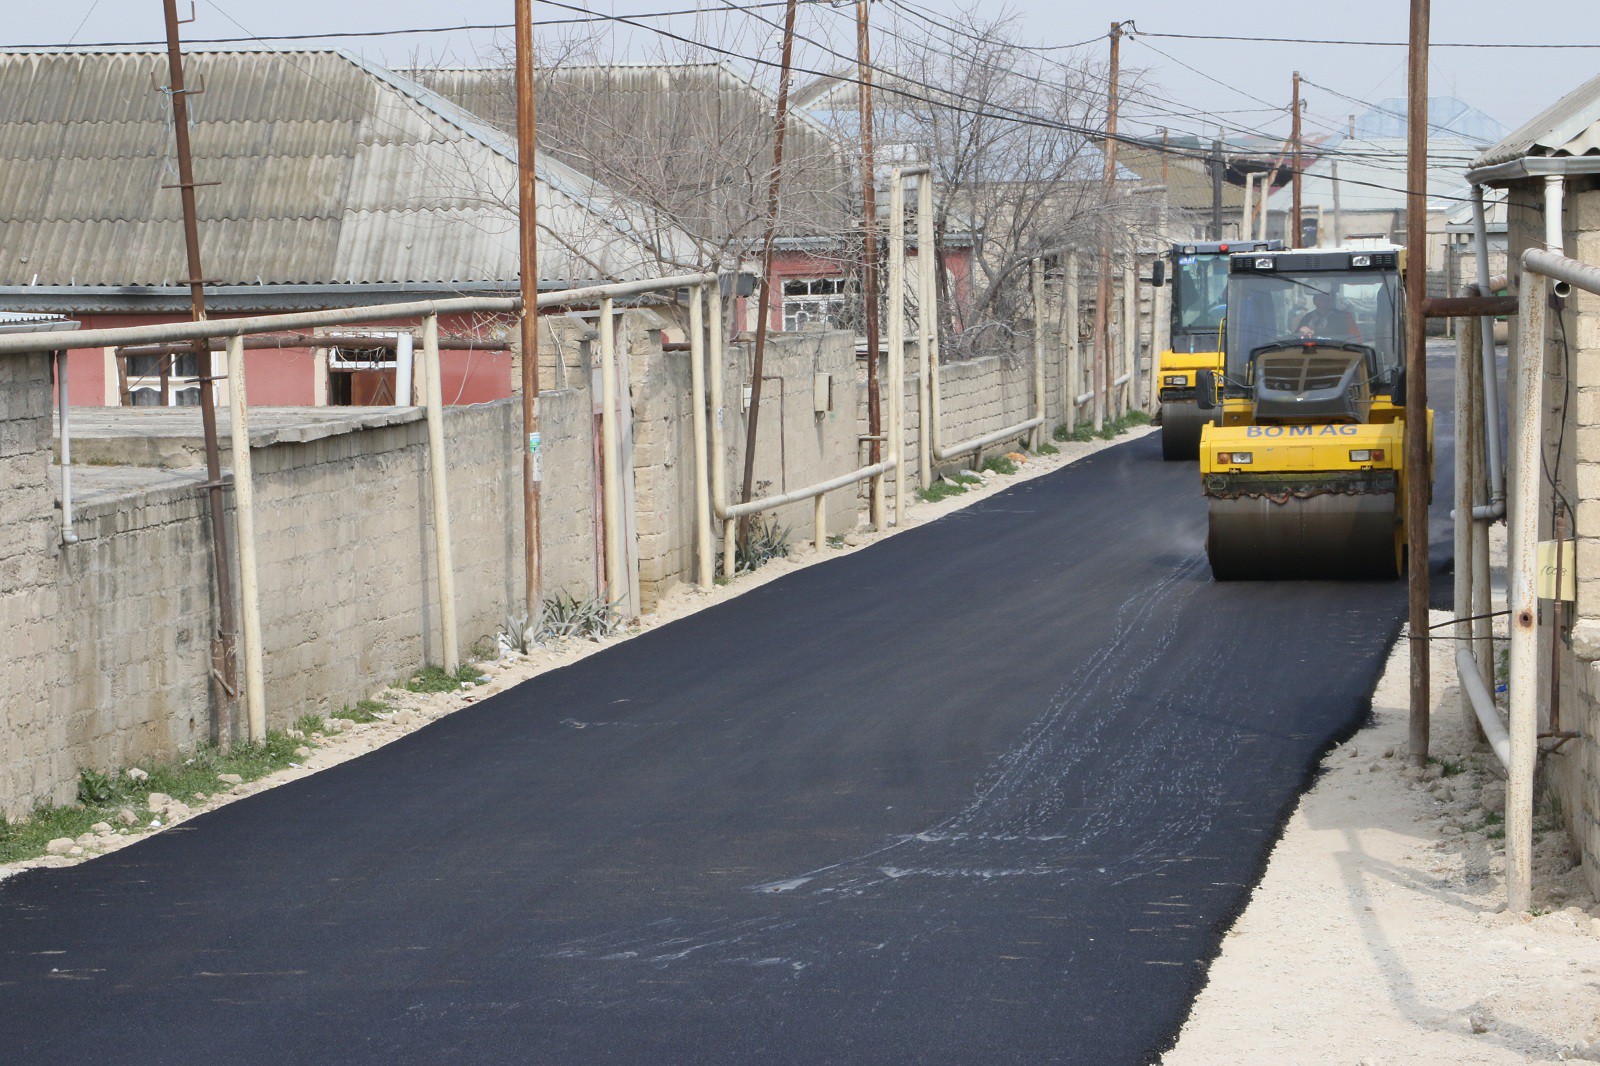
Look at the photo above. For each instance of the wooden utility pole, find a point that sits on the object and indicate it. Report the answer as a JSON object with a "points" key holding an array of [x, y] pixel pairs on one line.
{"points": [[528, 246], [223, 668], [1338, 213], [1416, 442], [869, 222], [1102, 302], [1217, 167], [1296, 239], [764, 295]]}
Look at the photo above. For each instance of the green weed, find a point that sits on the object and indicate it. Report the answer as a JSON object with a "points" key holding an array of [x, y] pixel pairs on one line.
{"points": [[363, 712], [102, 793], [999, 464], [438, 679], [942, 489]]}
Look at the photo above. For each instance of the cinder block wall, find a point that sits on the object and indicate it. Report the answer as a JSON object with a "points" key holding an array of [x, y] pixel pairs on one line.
{"points": [[33, 758], [1572, 383], [133, 673], [108, 656]]}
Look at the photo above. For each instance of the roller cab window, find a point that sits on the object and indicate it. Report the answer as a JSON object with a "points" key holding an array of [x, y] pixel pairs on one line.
{"points": [[1352, 310]]}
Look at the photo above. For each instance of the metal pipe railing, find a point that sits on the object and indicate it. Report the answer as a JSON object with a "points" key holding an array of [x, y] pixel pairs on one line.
{"points": [[1483, 705], [64, 400], [932, 420], [444, 556], [213, 328], [1491, 383], [707, 390], [244, 520]]}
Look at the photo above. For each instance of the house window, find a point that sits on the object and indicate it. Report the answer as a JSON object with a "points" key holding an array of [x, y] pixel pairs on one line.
{"points": [[183, 380], [819, 303]]}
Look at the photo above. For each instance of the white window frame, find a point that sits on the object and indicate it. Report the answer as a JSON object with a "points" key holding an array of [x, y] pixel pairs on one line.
{"points": [[827, 303]]}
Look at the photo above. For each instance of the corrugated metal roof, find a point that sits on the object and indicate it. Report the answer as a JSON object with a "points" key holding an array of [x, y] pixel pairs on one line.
{"points": [[331, 170], [1570, 126], [692, 139]]}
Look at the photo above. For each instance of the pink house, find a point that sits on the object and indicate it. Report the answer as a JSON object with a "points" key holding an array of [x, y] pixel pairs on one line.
{"points": [[337, 183]]}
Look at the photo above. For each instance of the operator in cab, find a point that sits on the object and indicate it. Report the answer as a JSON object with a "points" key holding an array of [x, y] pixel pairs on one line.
{"points": [[1328, 320]]}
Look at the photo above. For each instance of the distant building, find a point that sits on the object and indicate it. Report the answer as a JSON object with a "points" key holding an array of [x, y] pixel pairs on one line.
{"points": [[338, 183]]}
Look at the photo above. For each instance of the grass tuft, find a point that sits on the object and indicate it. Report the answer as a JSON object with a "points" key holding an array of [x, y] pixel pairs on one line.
{"points": [[438, 679], [1000, 464], [101, 794], [363, 712]]}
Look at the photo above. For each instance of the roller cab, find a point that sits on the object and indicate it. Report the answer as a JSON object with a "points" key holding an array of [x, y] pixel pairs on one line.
{"points": [[1199, 281], [1303, 472]]}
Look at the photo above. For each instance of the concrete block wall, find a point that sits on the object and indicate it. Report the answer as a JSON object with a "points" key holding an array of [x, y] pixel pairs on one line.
{"points": [[108, 659], [344, 531], [134, 648], [1574, 772], [568, 530], [33, 759]]}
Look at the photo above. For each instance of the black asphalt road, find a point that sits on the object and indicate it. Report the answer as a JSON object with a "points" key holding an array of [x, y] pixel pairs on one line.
{"points": [[989, 791]]}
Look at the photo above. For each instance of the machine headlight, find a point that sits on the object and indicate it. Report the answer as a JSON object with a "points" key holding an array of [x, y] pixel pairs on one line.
{"points": [[1361, 260], [1177, 379], [1366, 455], [1264, 264], [1234, 458]]}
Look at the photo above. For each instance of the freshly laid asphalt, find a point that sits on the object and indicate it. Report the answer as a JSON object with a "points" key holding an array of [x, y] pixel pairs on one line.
{"points": [[988, 791]]}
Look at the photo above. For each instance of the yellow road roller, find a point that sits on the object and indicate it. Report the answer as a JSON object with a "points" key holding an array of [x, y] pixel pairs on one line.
{"points": [[1303, 473], [1199, 303]]}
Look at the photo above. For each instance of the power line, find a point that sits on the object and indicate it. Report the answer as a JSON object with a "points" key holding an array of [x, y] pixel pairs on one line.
{"points": [[1363, 44], [414, 31]]}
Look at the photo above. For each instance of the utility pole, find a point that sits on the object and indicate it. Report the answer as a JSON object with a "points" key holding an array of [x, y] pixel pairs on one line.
{"points": [[1416, 442], [1102, 303], [764, 316], [1216, 190], [223, 668], [1296, 239], [528, 247], [869, 221], [1338, 213]]}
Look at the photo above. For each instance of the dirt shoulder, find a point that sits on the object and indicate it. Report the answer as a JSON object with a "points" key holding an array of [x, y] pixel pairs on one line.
{"points": [[405, 712], [1379, 934]]}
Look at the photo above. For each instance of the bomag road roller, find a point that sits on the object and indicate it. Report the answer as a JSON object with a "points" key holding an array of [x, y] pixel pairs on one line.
{"points": [[1199, 302], [1303, 472]]}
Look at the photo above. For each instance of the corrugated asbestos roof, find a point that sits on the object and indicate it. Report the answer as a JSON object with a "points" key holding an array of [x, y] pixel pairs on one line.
{"points": [[691, 139], [1568, 127], [330, 170]]}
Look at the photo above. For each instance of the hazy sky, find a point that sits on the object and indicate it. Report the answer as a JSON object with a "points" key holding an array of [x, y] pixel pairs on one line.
{"points": [[1510, 85]]}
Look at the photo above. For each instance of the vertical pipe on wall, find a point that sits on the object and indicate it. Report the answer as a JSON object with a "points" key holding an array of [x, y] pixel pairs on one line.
{"points": [[1072, 345], [611, 473], [702, 490], [1038, 434], [897, 337], [1489, 373], [1466, 393], [1130, 337], [437, 467], [244, 512], [719, 455], [927, 326], [65, 402]]}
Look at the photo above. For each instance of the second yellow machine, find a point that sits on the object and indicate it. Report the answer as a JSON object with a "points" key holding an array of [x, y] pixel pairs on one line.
{"points": [[1199, 303], [1304, 473]]}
